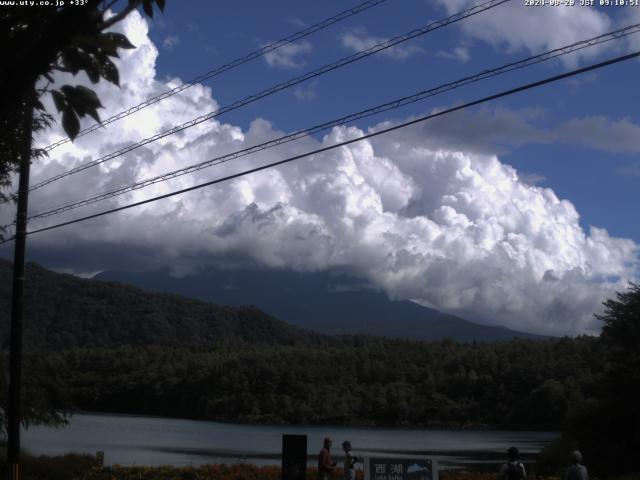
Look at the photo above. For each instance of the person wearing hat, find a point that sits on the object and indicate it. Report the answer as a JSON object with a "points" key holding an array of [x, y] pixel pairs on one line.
{"points": [[513, 469], [325, 464], [576, 470], [349, 461]]}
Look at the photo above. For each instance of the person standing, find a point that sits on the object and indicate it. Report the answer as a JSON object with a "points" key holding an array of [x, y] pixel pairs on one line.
{"points": [[325, 463], [349, 461], [513, 469], [576, 471]]}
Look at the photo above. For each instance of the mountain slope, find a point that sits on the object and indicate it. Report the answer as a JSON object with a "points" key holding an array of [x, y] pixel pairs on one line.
{"points": [[63, 311], [323, 302]]}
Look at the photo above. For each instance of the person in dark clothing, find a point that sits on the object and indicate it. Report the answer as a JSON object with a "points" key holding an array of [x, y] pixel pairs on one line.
{"points": [[576, 470], [350, 460], [513, 469], [325, 463]]}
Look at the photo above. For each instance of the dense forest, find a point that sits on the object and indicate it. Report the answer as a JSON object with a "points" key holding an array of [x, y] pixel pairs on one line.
{"points": [[529, 384], [115, 348]]}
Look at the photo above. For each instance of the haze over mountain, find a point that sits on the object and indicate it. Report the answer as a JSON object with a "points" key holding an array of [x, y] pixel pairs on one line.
{"points": [[328, 303]]}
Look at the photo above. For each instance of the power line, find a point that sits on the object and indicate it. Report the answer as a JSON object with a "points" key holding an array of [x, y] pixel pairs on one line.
{"points": [[347, 142], [270, 47], [307, 76], [532, 60]]}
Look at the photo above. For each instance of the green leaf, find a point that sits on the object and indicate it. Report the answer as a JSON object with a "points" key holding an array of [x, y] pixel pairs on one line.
{"points": [[109, 71], [83, 95], [70, 60], [75, 60], [117, 39], [88, 96], [95, 115], [81, 101], [59, 100], [70, 123], [93, 72], [109, 43], [107, 49], [89, 43], [67, 90], [147, 6]]}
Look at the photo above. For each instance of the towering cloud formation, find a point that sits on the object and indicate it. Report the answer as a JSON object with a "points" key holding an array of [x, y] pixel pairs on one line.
{"points": [[453, 229]]}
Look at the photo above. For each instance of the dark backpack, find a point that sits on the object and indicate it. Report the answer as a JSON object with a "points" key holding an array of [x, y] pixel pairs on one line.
{"points": [[514, 471]]}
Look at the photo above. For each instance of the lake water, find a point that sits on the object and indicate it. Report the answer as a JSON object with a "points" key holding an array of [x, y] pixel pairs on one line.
{"points": [[132, 440]]}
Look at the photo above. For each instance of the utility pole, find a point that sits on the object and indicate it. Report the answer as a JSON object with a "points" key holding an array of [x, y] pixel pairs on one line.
{"points": [[17, 299]]}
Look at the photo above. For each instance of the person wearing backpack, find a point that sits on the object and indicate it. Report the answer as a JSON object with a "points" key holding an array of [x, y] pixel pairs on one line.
{"points": [[513, 469], [576, 471]]}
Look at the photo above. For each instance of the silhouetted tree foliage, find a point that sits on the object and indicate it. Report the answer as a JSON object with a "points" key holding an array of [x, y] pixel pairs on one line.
{"points": [[44, 398], [37, 41], [607, 425]]}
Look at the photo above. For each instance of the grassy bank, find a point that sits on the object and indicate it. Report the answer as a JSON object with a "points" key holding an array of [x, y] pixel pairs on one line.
{"points": [[245, 472], [85, 467]]}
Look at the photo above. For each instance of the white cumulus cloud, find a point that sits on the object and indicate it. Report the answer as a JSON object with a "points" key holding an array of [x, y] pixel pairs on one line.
{"points": [[448, 227]]}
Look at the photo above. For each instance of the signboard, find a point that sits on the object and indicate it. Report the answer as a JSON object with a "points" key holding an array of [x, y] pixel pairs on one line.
{"points": [[294, 457], [390, 468]]}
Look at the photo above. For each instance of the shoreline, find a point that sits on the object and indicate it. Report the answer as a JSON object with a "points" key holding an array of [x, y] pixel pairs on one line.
{"points": [[436, 426], [144, 440]]}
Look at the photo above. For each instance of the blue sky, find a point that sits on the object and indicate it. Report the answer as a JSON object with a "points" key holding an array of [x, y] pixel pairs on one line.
{"points": [[519, 212], [603, 184]]}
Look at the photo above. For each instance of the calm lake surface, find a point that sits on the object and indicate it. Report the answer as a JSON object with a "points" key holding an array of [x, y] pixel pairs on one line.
{"points": [[131, 440]]}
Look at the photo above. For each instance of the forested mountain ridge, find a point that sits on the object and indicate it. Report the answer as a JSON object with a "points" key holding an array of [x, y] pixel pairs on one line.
{"points": [[102, 346], [63, 311]]}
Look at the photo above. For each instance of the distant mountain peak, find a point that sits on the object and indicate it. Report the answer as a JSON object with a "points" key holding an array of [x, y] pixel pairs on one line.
{"points": [[326, 302]]}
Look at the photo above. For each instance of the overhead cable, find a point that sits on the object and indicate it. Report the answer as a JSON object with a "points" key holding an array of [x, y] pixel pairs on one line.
{"points": [[512, 91], [270, 47], [294, 81], [532, 60]]}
